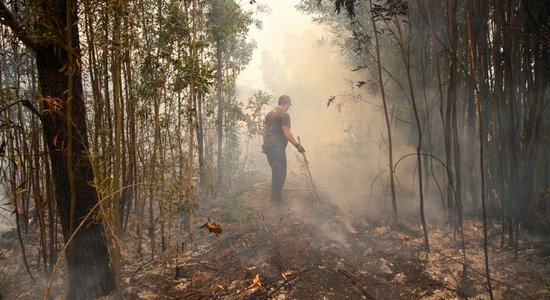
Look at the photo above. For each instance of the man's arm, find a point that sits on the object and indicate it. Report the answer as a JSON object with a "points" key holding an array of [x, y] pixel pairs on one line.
{"points": [[289, 136], [291, 139]]}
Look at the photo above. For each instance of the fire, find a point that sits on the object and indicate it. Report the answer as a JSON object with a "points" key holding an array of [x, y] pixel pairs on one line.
{"points": [[255, 282], [286, 274]]}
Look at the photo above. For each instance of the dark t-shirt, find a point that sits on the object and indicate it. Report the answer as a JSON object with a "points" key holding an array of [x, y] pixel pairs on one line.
{"points": [[274, 120]]}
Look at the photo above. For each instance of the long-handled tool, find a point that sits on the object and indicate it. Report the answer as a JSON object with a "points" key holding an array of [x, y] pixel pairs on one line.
{"points": [[309, 175]]}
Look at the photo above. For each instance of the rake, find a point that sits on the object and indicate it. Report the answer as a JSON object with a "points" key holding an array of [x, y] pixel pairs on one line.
{"points": [[309, 175]]}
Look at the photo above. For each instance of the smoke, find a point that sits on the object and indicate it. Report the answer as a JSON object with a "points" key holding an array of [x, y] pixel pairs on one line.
{"points": [[345, 138]]}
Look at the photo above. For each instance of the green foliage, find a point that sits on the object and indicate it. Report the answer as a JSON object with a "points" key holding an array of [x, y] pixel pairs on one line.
{"points": [[227, 19], [147, 90], [254, 107], [204, 76], [349, 6], [235, 118], [174, 25]]}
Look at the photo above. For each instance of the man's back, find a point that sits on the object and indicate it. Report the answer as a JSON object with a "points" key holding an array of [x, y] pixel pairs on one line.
{"points": [[274, 121]]}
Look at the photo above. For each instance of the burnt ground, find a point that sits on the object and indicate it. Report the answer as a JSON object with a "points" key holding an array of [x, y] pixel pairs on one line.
{"points": [[303, 250]]}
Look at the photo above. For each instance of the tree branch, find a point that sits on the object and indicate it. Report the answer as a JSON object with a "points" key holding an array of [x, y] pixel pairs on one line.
{"points": [[28, 104], [8, 19]]}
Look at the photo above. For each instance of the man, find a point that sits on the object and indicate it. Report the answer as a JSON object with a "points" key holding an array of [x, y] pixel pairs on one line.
{"points": [[276, 135]]}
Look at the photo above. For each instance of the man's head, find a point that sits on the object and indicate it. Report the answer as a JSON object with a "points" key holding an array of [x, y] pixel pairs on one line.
{"points": [[284, 101]]}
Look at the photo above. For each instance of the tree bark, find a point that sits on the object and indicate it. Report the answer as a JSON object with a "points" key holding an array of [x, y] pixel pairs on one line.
{"points": [[90, 274], [451, 98], [406, 55], [118, 159], [219, 121], [482, 168]]}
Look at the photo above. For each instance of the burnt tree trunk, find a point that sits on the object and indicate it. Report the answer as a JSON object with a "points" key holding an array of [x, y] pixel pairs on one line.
{"points": [[90, 274], [451, 98]]}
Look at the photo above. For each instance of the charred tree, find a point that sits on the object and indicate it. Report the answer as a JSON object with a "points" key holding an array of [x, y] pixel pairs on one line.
{"points": [[451, 98], [407, 64], [480, 128], [59, 75]]}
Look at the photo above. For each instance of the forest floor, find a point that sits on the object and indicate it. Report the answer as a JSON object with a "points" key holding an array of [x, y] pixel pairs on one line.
{"points": [[301, 249]]}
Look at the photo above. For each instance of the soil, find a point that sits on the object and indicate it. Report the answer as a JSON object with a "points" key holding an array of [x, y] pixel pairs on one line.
{"points": [[304, 249]]}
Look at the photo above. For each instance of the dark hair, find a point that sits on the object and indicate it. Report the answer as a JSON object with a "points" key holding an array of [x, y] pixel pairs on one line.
{"points": [[284, 99]]}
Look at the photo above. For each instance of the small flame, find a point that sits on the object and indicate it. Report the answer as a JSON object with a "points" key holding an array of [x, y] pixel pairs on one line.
{"points": [[256, 281], [286, 274]]}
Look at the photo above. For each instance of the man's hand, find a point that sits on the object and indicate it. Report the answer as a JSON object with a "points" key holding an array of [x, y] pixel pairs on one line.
{"points": [[300, 148]]}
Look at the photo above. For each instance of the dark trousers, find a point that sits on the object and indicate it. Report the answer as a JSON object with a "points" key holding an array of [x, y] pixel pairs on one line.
{"points": [[276, 156]]}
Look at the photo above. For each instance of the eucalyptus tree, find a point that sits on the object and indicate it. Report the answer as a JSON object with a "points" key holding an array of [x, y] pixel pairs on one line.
{"points": [[493, 56], [229, 25], [238, 54], [516, 59], [480, 130], [189, 80], [386, 115], [152, 78], [55, 43]]}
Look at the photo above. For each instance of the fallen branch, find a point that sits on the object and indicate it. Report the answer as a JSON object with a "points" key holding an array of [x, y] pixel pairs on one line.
{"points": [[140, 268], [256, 283], [287, 281], [353, 280]]}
